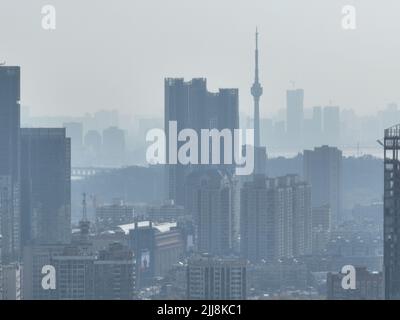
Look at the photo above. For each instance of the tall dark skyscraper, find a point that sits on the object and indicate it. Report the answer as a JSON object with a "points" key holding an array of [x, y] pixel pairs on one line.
{"points": [[45, 186], [392, 213], [192, 106], [9, 162], [322, 168]]}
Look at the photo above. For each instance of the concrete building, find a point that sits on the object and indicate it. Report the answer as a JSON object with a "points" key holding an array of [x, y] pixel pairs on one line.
{"points": [[110, 216], [210, 194], [275, 218], [45, 186], [192, 106], [167, 212], [369, 286], [75, 274], [157, 247], [210, 278], [35, 257], [12, 282], [114, 274], [322, 168], [278, 275], [10, 211], [392, 213]]}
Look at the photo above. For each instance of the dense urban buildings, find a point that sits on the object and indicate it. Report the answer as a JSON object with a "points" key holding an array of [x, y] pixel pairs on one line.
{"points": [[86, 215], [109, 216]]}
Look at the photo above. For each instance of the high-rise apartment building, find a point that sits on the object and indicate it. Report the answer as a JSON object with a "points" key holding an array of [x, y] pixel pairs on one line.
{"points": [[45, 186], [10, 215], [275, 218], [114, 273], [391, 213], [211, 203], [211, 278], [322, 168], [192, 106]]}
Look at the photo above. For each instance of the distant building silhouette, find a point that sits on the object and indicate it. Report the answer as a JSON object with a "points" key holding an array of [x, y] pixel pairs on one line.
{"points": [[192, 106], [114, 149], [93, 147], [331, 120], [322, 168], [294, 116], [109, 216], [74, 130]]}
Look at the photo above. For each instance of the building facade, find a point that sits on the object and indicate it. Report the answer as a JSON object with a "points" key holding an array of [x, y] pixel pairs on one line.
{"points": [[45, 186], [275, 218], [210, 278], [322, 168], [10, 211], [192, 106]]}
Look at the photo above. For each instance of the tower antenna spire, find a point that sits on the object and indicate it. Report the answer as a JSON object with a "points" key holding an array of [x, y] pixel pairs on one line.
{"points": [[84, 208], [256, 92]]}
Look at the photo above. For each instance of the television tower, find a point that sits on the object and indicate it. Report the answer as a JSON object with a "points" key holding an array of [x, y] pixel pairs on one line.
{"points": [[256, 92]]}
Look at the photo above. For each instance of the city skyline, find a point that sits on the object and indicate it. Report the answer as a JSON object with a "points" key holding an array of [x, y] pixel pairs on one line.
{"points": [[221, 191]]}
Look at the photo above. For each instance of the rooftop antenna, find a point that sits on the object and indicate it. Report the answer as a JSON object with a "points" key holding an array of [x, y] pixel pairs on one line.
{"points": [[84, 208], [293, 83], [84, 224]]}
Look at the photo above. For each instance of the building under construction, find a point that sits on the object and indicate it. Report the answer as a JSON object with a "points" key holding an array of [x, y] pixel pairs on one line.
{"points": [[392, 213]]}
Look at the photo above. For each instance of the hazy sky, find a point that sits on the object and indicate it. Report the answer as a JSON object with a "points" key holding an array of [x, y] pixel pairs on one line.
{"points": [[115, 54]]}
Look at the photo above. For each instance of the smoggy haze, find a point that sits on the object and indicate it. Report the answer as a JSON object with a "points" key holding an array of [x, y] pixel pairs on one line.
{"points": [[115, 54]]}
